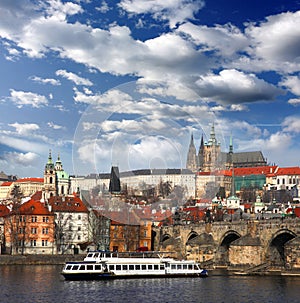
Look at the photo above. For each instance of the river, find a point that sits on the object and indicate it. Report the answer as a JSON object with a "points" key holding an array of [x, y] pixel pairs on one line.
{"points": [[44, 284]]}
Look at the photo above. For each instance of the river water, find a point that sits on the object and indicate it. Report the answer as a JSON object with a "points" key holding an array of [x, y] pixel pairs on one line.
{"points": [[44, 284]]}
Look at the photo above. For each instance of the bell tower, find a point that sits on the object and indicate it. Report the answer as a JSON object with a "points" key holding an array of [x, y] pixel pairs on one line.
{"points": [[49, 178]]}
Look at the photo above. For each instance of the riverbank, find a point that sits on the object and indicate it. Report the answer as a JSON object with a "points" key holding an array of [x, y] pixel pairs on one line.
{"points": [[61, 259], [38, 259]]}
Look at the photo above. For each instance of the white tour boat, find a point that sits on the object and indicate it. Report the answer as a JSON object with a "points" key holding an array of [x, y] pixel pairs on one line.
{"points": [[106, 265]]}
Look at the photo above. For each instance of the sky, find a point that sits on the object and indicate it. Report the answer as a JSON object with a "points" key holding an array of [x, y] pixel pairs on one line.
{"points": [[127, 82]]}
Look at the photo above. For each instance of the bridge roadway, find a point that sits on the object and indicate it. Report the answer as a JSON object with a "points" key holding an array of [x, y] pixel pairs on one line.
{"points": [[250, 242]]}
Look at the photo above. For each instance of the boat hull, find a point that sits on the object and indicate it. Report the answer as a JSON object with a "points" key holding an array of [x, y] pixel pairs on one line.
{"points": [[109, 276]]}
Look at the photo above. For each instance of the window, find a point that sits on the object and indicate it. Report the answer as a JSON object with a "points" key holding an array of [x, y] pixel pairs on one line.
{"points": [[33, 230], [118, 267], [44, 242], [144, 267], [173, 266], [78, 237], [45, 231], [155, 267], [131, 267], [79, 228], [75, 267], [82, 267], [89, 267], [32, 242], [137, 267], [111, 267], [97, 267], [150, 267], [79, 217], [33, 219], [125, 267], [45, 219]]}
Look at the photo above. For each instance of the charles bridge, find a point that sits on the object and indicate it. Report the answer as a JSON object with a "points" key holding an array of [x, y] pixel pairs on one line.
{"points": [[242, 244]]}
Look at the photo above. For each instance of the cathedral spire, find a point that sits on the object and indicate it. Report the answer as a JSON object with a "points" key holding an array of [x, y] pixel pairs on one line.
{"points": [[191, 162], [50, 157]]}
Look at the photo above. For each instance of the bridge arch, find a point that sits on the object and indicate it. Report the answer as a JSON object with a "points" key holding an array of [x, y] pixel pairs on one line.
{"points": [[275, 248], [228, 237], [222, 250]]}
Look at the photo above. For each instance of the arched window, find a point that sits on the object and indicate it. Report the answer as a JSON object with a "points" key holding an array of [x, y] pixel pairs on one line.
{"points": [[50, 180]]}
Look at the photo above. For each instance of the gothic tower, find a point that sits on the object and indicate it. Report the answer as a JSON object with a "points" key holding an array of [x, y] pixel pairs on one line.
{"points": [[49, 178], [191, 162], [211, 153]]}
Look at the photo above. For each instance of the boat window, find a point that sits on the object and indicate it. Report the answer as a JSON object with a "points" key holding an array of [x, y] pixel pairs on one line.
{"points": [[195, 267], [96, 255], [118, 267], [82, 267], [90, 255], [137, 267], [184, 266], [98, 267], [68, 267], [162, 267], [75, 267], [131, 267], [125, 267], [190, 266], [144, 267], [173, 266], [111, 267], [150, 267], [179, 266], [89, 267], [155, 267]]}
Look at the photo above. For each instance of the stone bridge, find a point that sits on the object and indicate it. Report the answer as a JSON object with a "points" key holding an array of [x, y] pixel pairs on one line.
{"points": [[234, 244]]}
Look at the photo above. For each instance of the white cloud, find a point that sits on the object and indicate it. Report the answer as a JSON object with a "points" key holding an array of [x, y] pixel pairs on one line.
{"points": [[25, 128], [22, 98], [265, 46], [294, 101], [292, 83], [45, 80], [104, 8], [54, 126], [291, 124], [23, 159], [175, 11], [73, 77], [232, 86]]}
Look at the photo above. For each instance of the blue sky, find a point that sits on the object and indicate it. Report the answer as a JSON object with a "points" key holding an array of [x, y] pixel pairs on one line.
{"points": [[127, 82]]}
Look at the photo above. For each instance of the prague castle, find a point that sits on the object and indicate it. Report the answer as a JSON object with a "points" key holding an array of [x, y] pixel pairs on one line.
{"points": [[210, 157]]}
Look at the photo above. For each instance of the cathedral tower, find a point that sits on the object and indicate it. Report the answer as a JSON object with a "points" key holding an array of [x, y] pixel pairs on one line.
{"points": [[192, 162]]}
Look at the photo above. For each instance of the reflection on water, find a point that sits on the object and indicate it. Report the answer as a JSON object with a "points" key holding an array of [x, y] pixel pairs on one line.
{"points": [[44, 284]]}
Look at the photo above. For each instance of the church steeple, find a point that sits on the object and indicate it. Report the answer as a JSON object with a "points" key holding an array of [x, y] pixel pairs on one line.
{"points": [[191, 162]]}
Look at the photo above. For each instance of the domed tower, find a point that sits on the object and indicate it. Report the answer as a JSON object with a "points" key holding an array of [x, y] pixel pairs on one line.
{"points": [[49, 178], [62, 179]]}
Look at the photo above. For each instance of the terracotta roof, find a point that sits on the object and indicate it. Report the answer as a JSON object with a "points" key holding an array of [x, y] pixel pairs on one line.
{"points": [[67, 204], [257, 170], [37, 196], [34, 208], [3, 210], [8, 183], [288, 171], [39, 180]]}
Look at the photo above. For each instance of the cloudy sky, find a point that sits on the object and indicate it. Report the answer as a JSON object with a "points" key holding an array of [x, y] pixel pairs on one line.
{"points": [[127, 82]]}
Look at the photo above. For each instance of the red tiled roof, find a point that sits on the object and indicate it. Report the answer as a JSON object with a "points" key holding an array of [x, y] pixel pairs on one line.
{"points": [[39, 180], [3, 210], [7, 183], [67, 204], [288, 171], [34, 208], [37, 196], [257, 170]]}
